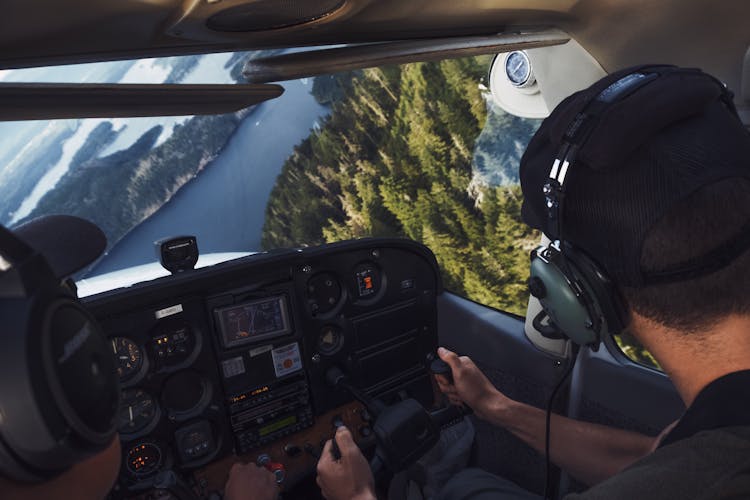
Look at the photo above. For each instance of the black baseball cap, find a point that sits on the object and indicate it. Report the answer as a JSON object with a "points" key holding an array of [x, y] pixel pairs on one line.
{"points": [[646, 138], [68, 243]]}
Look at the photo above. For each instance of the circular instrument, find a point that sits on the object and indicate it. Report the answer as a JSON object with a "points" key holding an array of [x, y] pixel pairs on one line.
{"points": [[144, 459], [138, 411], [330, 340], [185, 395], [129, 357], [518, 69], [323, 293], [173, 345]]}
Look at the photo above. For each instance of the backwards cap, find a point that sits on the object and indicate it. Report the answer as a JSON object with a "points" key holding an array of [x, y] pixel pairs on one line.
{"points": [[644, 139]]}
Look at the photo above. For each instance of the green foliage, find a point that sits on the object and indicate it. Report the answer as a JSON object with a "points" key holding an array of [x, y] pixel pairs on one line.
{"points": [[395, 159], [635, 351]]}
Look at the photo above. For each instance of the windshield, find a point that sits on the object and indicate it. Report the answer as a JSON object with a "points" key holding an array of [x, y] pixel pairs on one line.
{"points": [[416, 151]]}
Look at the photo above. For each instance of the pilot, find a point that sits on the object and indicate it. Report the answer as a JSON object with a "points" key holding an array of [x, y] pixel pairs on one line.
{"points": [[644, 181], [63, 444]]}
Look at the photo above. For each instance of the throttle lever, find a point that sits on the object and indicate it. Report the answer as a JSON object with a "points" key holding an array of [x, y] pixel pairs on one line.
{"points": [[452, 412]]}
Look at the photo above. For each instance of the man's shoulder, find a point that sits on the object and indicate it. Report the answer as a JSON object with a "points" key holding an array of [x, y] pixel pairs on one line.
{"points": [[709, 465]]}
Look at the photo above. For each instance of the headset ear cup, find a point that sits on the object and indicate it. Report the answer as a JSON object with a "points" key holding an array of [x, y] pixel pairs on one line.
{"points": [[605, 297], [57, 409], [561, 297]]}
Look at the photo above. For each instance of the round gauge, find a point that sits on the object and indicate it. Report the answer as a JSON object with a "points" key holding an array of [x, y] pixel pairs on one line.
{"points": [[185, 394], [518, 69], [330, 340], [144, 459], [323, 293], [173, 345], [138, 411], [129, 357]]}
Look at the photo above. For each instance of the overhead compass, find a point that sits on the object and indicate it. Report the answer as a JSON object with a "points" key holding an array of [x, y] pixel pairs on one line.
{"points": [[518, 69]]}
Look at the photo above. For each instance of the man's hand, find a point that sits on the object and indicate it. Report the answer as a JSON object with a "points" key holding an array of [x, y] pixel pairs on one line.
{"points": [[348, 478], [469, 386], [250, 482]]}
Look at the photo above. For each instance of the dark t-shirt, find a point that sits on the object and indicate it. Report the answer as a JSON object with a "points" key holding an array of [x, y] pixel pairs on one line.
{"points": [[709, 465], [705, 456]]}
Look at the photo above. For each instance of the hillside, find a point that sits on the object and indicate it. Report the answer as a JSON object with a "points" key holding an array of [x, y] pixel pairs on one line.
{"points": [[397, 157], [119, 191]]}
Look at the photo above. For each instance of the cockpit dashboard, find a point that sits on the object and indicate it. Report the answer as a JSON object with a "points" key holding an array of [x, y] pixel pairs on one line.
{"points": [[228, 363]]}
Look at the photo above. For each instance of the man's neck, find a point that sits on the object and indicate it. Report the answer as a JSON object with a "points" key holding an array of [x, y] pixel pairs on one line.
{"points": [[694, 360]]}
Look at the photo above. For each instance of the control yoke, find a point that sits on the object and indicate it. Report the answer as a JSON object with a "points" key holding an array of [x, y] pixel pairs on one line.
{"points": [[404, 431]]}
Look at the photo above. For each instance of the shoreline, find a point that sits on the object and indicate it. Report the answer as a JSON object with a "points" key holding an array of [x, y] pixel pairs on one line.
{"points": [[87, 272], [232, 198]]}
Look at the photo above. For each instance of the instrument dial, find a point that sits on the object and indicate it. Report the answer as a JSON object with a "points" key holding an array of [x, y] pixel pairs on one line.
{"points": [[330, 340], [144, 459], [518, 69], [173, 345], [129, 357], [138, 411]]}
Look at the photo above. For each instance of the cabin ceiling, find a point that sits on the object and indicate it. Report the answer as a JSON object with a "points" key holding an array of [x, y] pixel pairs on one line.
{"points": [[709, 34]]}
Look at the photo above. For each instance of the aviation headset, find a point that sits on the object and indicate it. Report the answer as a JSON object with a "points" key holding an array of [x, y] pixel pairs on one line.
{"points": [[58, 384], [574, 291]]}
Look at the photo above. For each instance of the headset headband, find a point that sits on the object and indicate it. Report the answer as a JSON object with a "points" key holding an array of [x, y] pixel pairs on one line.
{"points": [[585, 123]]}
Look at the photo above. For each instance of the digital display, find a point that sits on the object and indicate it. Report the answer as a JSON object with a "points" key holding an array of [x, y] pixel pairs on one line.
{"points": [[280, 424], [365, 282], [251, 321]]}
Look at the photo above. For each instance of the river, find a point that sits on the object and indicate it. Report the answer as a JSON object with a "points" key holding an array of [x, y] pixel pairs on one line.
{"points": [[224, 206]]}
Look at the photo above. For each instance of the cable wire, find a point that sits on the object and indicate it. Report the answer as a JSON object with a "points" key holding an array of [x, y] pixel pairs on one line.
{"points": [[548, 422]]}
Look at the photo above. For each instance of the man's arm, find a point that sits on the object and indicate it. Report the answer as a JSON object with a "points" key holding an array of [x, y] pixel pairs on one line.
{"points": [[589, 452]]}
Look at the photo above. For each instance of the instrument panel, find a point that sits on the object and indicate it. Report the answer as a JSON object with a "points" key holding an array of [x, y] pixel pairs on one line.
{"points": [[229, 363]]}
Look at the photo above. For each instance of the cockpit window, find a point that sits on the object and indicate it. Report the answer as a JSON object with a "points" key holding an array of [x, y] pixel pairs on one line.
{"points": [[418, 151]]}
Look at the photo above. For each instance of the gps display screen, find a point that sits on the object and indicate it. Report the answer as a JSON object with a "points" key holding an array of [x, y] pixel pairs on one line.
{"points": [[251, 321]]}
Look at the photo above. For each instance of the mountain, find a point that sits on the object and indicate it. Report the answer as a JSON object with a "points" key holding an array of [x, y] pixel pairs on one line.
{"points": [[114, 172]]}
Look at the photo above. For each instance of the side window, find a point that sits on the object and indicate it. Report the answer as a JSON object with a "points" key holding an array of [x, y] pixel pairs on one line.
{"points": [[420, 151], [633, 349]]}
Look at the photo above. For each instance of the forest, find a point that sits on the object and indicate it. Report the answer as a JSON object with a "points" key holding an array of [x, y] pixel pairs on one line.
{"points": [[418, 151], [396, 159]]}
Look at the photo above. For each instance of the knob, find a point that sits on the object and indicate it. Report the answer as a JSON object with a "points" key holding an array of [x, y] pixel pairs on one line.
{"points": [[337, 421], [365, 415], [365, 431], [537, 288], [440, 367], [278, 469], [279, 473], [292, 450]]}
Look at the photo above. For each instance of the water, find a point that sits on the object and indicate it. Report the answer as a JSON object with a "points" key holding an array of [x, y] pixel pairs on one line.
{"points": [[225, 205]]}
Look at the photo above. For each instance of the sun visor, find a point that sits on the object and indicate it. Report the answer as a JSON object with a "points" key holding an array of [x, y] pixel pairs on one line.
{"points": [[50, 101]]}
